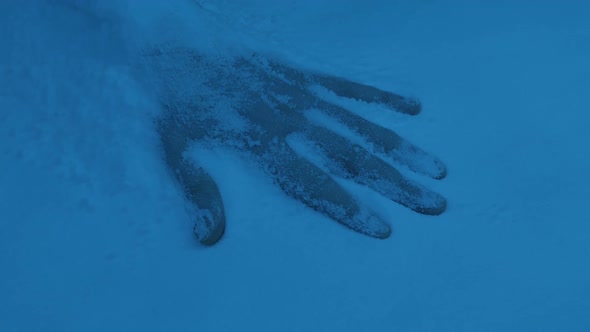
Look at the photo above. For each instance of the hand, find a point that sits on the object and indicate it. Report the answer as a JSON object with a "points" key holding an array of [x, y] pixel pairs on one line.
{"points": [[259, 106]]}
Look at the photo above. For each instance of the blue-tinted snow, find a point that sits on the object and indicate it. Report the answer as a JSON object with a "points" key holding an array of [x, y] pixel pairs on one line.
{"points": [[96, 236]]}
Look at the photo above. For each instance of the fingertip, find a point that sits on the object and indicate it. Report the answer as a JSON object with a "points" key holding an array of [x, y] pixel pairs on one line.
{"points": [[403, 105], [210, 231], [412, 106], [442, 171], [385, 233], [437, 208], [374, 227]]}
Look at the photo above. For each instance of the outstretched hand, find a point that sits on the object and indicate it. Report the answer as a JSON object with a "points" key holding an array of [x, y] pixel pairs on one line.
{"points": [[255, 105]]}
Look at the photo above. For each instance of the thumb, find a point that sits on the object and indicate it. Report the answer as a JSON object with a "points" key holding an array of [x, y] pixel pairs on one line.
{"points": [[202, 191]]}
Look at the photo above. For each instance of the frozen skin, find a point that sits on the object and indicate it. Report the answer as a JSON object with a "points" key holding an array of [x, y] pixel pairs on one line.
{"points": [[254, 104]]}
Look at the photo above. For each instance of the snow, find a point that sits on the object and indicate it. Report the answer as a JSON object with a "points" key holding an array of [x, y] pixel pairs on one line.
{"points": [[95, 234]]}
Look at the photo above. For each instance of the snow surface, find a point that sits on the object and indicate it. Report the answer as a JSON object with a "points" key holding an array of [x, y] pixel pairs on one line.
{"points": [[95, 234]]}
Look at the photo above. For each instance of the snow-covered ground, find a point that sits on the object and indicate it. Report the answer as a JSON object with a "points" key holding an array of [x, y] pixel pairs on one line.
{"points": [[95, 234]]}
